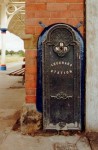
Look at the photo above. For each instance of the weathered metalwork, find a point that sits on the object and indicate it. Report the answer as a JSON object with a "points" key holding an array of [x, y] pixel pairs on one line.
{"points": [[61, 79]]}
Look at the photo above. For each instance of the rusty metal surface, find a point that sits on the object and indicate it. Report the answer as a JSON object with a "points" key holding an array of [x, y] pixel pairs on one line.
{"points": [[61, 79]]}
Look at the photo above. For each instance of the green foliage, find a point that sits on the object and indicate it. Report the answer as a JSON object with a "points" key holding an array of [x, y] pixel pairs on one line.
{"points": [[7, 52], [21, 53], [11, 52]]}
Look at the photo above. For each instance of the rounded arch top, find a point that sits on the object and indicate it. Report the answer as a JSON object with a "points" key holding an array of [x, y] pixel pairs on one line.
{"points": [[73, 31], [61, 32]]}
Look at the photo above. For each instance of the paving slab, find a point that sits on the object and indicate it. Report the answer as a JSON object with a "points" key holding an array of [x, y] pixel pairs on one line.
{"points": [[3, 134], [17, 141], [8, 118], [12, 97], [8, 113], [93, 139], [12, 92], [83, 144]]}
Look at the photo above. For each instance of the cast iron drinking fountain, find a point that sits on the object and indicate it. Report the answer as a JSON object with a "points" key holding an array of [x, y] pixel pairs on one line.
{"points": [[60, 78]]}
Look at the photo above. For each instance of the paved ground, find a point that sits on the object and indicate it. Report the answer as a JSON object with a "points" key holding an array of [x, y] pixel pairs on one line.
{"points": [[12, 96], [93, 140], [12, 92], [16, 141]]}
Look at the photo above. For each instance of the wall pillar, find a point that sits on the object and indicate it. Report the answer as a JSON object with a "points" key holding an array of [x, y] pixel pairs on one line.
{"points": [[29, 108], [92, 65], [3, 35], [31, 70], [3, 49]]}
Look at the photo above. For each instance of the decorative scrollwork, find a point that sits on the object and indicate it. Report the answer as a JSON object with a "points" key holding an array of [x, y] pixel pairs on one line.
{"points": [[11, 9], [61, 49], [61, 95]]}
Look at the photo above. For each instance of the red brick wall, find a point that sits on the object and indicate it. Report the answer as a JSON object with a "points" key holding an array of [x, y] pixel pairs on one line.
{"points": [[49, 12], [30, 76]]}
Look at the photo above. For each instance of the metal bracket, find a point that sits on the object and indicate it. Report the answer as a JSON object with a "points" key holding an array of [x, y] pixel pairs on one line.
{"points": [[41, 24], [79, 24]]}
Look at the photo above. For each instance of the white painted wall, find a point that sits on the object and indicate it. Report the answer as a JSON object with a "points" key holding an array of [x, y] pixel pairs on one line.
{"points": [[92, 65]]}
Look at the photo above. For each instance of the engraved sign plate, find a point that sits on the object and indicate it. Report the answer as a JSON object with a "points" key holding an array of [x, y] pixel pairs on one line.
{"points": [[61, 82]]}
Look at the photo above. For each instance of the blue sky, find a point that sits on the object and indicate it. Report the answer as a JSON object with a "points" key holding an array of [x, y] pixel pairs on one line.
{"points": [[13, 42]]}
